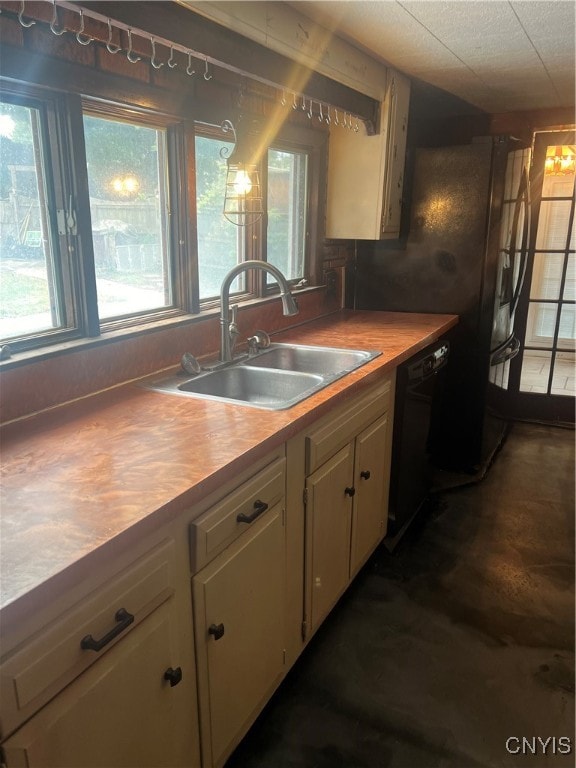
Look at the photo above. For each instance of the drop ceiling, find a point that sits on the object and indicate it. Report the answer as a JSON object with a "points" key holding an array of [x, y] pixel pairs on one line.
{"points": [[499, 56]]}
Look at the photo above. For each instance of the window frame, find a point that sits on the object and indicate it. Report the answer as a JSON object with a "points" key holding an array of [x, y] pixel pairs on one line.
{"points": [[177, 199], [290, 139], [290, 146], [68, 155], [67, 264]]}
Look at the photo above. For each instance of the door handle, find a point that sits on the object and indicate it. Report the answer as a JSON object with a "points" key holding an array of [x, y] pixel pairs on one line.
{"points": [[259, 508], [124, 619]]}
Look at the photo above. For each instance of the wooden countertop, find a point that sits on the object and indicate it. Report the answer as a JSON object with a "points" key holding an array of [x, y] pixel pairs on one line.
{"points": [[120, 463]]}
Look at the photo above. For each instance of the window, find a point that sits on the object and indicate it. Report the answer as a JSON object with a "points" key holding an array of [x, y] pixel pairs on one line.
{"points": [[97, 231], [549, 346], [222, 245], [34, 279], [127, 176], [287, 211], [553, 269]]}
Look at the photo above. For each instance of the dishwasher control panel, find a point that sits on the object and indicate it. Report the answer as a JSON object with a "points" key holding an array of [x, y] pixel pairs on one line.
{"points": [[430, 362]]}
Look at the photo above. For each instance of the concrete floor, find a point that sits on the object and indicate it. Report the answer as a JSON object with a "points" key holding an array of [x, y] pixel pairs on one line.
{"points": [[459, 641]]}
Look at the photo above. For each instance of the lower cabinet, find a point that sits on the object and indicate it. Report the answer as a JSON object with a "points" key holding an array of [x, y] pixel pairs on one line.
{"points": [[370, 500], [238, 613], [168, 659], [346, 498], [109, 682], [328, 526], [239, 603], [131, 708]]}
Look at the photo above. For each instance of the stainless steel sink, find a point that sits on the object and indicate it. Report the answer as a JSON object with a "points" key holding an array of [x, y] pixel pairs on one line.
{"points": [[259, 387], [326, 361], [256, 386], [276, 378]]}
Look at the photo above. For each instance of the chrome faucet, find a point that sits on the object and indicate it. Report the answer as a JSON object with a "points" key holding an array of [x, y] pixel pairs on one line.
{"points": [[228, 326]]}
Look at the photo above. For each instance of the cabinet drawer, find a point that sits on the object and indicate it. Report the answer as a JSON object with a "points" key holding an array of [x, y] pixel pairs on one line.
{"points": [[120, 712], [334, 431], [213, 531], [78, 638]]}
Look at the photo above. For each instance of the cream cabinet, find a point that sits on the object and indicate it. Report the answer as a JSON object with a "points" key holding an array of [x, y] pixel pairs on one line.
{"points": [[328, 499], [346, 497], [110, 681], [166, 656], [124, 711], [371, 483], [239, 603], [397, 105], [366, 172]]}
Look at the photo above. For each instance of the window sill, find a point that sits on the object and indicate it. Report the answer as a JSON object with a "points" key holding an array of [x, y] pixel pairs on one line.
{"points": [[31, 356]]}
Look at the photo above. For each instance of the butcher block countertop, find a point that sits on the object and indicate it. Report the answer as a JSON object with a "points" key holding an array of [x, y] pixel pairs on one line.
{"points": [[85, 478]]}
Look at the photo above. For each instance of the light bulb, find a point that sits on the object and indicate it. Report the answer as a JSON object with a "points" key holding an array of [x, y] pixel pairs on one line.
{"points": [[131, 184], [242, 183]]}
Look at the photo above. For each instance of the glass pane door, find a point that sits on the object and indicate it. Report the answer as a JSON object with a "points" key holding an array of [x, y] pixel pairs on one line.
{"points": [[549, 311]]}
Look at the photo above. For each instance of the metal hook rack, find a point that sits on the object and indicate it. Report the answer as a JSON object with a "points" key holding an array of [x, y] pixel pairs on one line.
{"points": [[132, 57], [111, 48], [21, 14], [328, 113], [54, 21], [189, 70], [80, 37], [155, 64], [207, 76]]}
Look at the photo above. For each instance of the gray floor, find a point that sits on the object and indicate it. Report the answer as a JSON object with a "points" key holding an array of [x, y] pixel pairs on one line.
{"points": [[459, 641]]}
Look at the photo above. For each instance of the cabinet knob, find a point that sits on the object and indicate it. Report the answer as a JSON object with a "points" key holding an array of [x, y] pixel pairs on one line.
{"points": [[174, 676], [350, 491], [365, 474], [217, 630]]}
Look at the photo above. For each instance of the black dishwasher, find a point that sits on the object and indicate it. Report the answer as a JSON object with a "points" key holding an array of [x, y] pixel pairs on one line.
{"points": [[419, 383]]}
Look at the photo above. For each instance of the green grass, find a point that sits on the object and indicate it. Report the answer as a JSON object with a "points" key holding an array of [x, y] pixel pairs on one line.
{"points": [[21, 294]]}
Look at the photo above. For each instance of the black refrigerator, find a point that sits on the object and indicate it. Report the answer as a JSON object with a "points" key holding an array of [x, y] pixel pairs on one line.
{"points": [[464, 253]]}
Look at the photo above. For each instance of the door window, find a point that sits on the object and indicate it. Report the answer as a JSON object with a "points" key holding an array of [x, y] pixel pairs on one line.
{"points": [[548, 358]]}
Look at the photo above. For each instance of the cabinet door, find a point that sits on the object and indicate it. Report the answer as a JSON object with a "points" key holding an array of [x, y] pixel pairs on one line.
{"points": [[329, 493], [121, 712], [355, 184], [238, 610], [397, 106], [371, 473]]}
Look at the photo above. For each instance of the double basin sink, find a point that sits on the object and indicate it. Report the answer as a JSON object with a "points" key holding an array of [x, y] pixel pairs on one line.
{"points": [[275, 378]]}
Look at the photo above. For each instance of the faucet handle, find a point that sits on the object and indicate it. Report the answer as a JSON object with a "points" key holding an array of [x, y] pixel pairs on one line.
{"points": [[259, 340], [190, 364]]}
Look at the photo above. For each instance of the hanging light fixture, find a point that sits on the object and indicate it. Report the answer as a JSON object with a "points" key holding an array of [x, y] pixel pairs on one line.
{"points": [[243, 204], [560, 160]]}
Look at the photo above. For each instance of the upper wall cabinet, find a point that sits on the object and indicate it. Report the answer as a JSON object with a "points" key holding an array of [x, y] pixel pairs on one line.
{"points": [[366, 173]]}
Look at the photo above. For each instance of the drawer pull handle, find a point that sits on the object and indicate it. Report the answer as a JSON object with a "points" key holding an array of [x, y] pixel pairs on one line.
{"points": [[124, 619], [217, 630], [350, 491], [365, 474], [259, 507], [174, 676]]}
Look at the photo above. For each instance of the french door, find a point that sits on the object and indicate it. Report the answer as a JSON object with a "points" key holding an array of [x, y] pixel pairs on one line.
{"points": [[543, 374]]}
